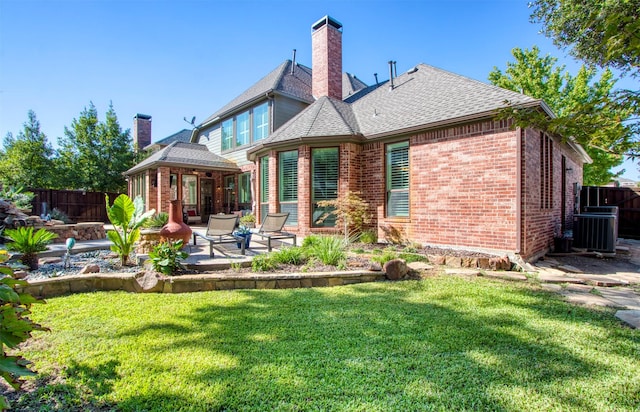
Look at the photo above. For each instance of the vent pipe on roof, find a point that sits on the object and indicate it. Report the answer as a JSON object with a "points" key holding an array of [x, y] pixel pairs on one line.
{"points": [[293, 62], [391, 74], [376, 76]]}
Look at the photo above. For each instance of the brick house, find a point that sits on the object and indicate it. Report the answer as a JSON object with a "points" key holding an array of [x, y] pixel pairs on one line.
{"points": [[423, 148]]}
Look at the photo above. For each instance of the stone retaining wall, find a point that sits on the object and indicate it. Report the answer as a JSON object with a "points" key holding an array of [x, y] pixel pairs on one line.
{"points": [[139, 283], [79, 231]]}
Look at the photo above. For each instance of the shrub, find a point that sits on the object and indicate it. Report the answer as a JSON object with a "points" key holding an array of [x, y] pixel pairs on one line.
{"points": [[17, 196], [16, 327], [290, 256], [412, 257], [310, 241], [386, 255], [126, 216], [248, 220], [369, 237], [330, 250], [351, 211], [263, 263], [157, 221], [58, 214], [166, 257], [29, 243]]}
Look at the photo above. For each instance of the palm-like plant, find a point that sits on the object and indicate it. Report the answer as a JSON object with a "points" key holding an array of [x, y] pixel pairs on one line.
{"points": [[127, 217], [29, 243]]}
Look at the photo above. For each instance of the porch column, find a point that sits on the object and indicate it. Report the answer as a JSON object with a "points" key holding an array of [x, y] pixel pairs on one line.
{"points": [[163, 190]]}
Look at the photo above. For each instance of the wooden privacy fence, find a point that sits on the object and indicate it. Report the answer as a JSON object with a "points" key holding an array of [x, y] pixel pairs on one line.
{"points": [[628, 201], [79, 205]]}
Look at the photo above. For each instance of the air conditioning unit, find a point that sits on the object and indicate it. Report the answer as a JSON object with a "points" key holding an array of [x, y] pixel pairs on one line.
{"points": [[595, 232]]}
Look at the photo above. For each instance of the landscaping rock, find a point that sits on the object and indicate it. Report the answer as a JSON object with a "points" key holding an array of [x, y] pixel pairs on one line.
{"points": [[419, 266], [150, 282], [375, 266], [49, 260], [91, 268], [453, 261], [396, 269], [20, 274], [500, 263], [437, 259]]}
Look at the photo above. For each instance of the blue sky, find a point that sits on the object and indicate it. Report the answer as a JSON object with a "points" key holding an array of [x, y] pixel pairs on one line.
{"points": [[175, 59]]}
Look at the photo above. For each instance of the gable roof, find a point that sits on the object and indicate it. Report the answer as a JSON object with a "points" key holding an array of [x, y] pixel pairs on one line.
{"points": [[183, 135], [184, 155], [421, 98], [296, 85]]}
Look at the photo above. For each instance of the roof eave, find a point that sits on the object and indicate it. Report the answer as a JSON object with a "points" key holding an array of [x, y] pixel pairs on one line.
{"points": [[255, 151]]}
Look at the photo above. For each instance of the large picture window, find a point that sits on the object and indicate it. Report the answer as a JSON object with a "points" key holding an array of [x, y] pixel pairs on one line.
{"points": [[242, 129], [288, 184], [324, 184], [397, 179], [227, 134], [264, 186], [260, 122]]}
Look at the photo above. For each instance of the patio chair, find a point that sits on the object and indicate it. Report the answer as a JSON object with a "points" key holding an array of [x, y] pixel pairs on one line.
{"points": [[220, 230], [271, 228]]}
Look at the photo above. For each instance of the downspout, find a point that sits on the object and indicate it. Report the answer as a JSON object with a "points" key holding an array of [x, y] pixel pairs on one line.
{"points": [[520, 138]]}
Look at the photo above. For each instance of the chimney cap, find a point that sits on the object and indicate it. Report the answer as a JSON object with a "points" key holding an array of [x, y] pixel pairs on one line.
{"points": [[142, 116], [326, 20]]}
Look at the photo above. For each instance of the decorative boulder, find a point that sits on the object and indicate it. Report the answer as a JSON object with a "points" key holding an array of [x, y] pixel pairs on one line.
{"points": [[396, 269], [91, 268]]}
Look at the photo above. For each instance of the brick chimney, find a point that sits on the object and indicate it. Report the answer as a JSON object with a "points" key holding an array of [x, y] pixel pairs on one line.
{"points": [[141, 131], [326, 42]]}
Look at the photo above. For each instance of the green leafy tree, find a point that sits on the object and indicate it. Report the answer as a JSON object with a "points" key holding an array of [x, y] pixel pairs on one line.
{"points": [[577, 102], [606, 34], [93, 154], [27, 159]]}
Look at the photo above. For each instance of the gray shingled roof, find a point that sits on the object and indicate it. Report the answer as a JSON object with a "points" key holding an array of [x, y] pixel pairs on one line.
{"points": [[183, 135], [421, 98], [351, 85], [184, 155], [325, 117], [280, 80], [428, 96], [297, 85]]}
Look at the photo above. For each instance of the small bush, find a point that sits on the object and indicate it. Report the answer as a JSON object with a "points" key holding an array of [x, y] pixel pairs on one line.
{"points": [[358, 250], [58, 214], [263, 263], [386, 255], [329, 250], [290, 256], [236, 266], [369, 237], [166, 257], [412, 257], [310, 241], [157, 221]]}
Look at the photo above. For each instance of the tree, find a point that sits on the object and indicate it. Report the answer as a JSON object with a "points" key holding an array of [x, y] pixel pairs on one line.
{"points": [[94, 155], [603, 33], [606, 34], [27, 159], [568, 96]]}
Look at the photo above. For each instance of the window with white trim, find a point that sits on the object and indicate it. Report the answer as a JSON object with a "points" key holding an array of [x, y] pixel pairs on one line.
{"points": [[242, 129], [227, 134], [261, 122]]}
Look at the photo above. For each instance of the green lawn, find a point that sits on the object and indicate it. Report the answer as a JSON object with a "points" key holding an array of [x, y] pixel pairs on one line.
{"points": [[438, 344]]}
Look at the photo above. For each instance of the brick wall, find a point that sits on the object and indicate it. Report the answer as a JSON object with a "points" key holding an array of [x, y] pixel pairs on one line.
{"points": [[540, 224], [326, 44], [462, 187]]}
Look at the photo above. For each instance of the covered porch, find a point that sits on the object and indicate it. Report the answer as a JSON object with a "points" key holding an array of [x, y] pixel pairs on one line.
{"points": [[204, 182]]}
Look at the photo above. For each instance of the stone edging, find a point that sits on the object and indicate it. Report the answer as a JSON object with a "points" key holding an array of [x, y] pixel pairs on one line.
{"points": [[153, 283]]}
